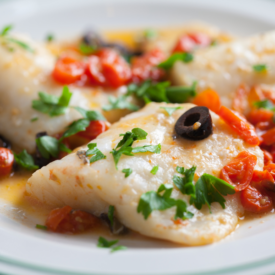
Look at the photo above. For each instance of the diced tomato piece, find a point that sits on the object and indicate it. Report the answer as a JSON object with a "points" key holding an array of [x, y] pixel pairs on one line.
{"points": [[260, 115], [269, 137], [188, 42], [255, 200], [62, 220], [144, 67], [240, 99], [6, 161], [239, 171], [68, 70], [271, 169], [93, 130], [107, 68], [259, 176], [267, 158], [240, 125], [208, 98]]}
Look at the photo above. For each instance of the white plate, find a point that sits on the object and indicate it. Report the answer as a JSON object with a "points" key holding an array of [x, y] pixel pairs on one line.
{"points": [[25, 250]]}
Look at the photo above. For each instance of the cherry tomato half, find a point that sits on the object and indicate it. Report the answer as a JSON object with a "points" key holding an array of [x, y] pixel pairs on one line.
{"points": [[188, 42], [6, 161], [62, 220], [107, 68], [255, 201], [239, 124], [208, 98], [239, 171], [93, 130], [144, 67], [68, 70]]}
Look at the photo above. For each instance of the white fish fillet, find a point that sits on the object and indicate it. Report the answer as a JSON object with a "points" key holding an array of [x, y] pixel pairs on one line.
{"points": [[22, 75], [93, 187], [224, 67]]}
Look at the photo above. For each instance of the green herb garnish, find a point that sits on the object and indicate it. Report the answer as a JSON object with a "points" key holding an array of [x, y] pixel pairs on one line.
{"points": [[86, 49], [260, 68], [170, 110], [127, 172], [6, 30], [147, 148], [120, 102], [150, 34], [152, 200], [264, 104], [34, 119], [25, 160], [168, 63], [111, 211], [48, 146], [97, 154], [53, 105], [50, 37], [39, 226], [154, 170], [185, 184], [210, 189], [103, 243]]}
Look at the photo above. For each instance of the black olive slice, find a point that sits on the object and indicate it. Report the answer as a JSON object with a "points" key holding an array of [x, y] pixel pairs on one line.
{"points": [[4, 143], [195, 124], [92, 39]]}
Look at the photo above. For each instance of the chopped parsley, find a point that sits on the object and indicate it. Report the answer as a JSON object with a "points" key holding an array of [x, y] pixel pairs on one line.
{"points": [[48, 146], [150, 34], [91, 115], [185, 184], [34, 119], [170, 110], [264, 104], [50, 37], [209, 189], [86, 49], [120, 102], [127, 172], [103, 243], [4, 33], [124, 147], [152, 200], [154, 170], [25, 160], [260, 68], [53, 105], [97, 154], [111, 211], [39, 226], [168, 63]]}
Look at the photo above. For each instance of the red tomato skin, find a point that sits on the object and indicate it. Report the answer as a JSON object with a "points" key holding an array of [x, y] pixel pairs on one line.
{"points": [[239, 171], [144, 67], [6, 161], [188, 42], [95, 128], [255, 201], [63, 220], [108, 69], [240, 125], [68, 70]]}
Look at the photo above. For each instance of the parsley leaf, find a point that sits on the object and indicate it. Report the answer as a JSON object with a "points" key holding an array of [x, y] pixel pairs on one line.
{"points": [[170, 110], [48, 146], [86, 49], [20, 43], [91, 115], [154, 170], [75, 127], [185, 184], [50, 37], [168, 63], [147, 148], [150, 34], [34, 119], [25, 160], [97, 154], [118, 247], [120, 102], [6, 30], [111, 211], [152, 200], [64, 148], [180, 94], [211, 189], [259, 68], [39, 226], [127, 172], [265, 104], [52, 105], [102, 242]]}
